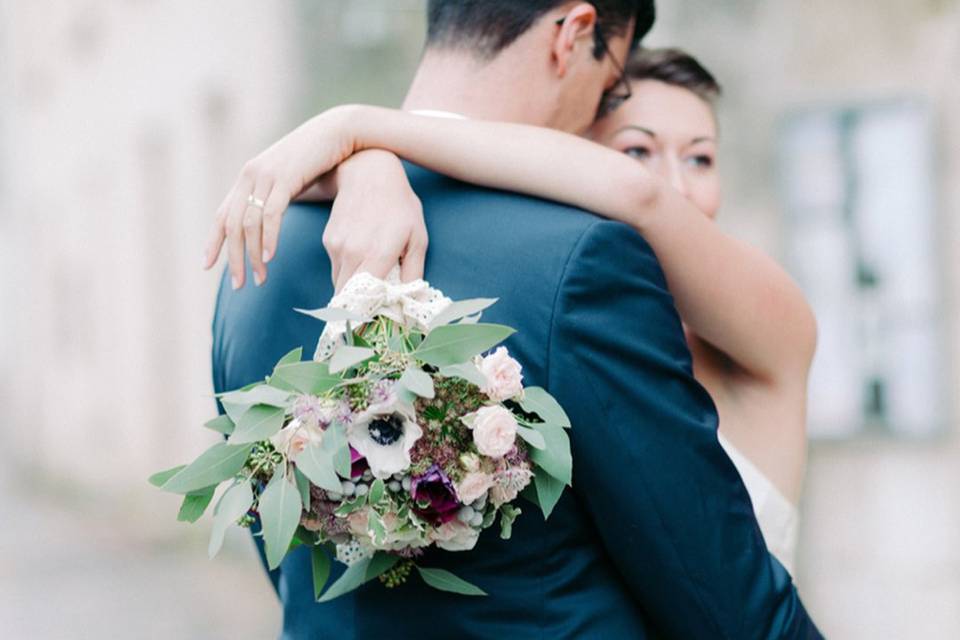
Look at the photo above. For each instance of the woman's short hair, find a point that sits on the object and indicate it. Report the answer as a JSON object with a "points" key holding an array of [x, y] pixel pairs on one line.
{"points": [[677, 68]]}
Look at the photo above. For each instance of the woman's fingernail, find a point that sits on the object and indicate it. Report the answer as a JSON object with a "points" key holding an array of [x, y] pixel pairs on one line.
{"points": [[236, 282], [257, 279], [266, 256]]}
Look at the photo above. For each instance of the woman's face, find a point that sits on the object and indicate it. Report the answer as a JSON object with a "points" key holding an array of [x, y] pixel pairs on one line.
{"points": [[673, 132]]}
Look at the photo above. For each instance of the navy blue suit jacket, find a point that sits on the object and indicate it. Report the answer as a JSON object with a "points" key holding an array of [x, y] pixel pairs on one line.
{"points": [[657, 537]]}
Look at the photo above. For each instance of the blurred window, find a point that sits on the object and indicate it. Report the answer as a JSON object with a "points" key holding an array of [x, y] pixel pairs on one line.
{"points": [[858, 185]]}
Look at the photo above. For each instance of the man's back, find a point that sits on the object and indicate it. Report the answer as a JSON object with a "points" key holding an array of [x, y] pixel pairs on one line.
{"points": [[628, 549]]}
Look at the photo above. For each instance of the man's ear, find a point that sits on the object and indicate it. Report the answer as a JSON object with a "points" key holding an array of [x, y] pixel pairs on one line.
{"points": [[574, 32]]}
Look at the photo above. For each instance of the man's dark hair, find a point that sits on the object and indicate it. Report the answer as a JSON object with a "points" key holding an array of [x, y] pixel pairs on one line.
{"points": [[489, 26], [674, 67]]}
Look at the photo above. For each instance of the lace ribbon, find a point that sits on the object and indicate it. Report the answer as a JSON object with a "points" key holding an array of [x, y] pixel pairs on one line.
{"points": [[412, 304]]}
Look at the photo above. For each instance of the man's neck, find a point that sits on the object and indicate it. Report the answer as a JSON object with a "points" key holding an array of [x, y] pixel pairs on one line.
{"points": [[458, 83]]}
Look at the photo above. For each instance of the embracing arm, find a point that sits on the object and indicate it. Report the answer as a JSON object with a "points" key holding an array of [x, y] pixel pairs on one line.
{"points": [[729, 293]]}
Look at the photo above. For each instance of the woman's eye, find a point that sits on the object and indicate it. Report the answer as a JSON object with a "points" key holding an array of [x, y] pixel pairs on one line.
{"points": [[701, 162], [640, 153]]}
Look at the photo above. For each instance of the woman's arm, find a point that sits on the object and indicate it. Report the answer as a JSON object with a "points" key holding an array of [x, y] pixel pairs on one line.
{"points": [[729, 293]]}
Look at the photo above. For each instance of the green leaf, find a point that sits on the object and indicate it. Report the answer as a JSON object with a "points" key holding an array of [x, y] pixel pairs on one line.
{"points": [[460, 309], [320, 561], [280, 509], [446, 581], [465, 370], [261, 394], [291, 357], [335, 443], [307, 377], [195, 503], [359, 573], [160, 478], [346, 356], [549, 490], [221, 424], [533, 438], [376, 491], [303, 486], [232, 505], [317, 464], [375, 528], [456, 344], [259, 423], [419, 382], [508, 513], [537, 400], [555, 459], [216, 464], [332, 314], [351, 505]]}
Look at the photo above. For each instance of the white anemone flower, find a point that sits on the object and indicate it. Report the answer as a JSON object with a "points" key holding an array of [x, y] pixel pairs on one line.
{"points": [[384, 435]]}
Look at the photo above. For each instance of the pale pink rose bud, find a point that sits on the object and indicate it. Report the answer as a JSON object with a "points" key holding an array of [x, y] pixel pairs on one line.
{"points": [[503, 376], [473, 486], [494, 431]]}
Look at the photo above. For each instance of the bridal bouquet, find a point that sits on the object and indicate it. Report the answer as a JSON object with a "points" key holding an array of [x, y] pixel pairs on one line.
{"points": [[405, 431]]}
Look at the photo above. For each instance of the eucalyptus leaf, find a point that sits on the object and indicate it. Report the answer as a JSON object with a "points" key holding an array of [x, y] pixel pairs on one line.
{"points": [[454, 344], [280, 510], [261, 422], [291, 357], [303, 486], [307, 377], [532, 437], [359, 573], [234, 503], [555, 459], [235, 410], [461, 309], [332, 314], [336, 445], [346, 356], [317, 464], [549, 490], [216, 464], [419, 382], [537, 400], [320, 563], [160, 478], [261, 394], [465, 370], [221, 424], [446, 581], [195, 503]]}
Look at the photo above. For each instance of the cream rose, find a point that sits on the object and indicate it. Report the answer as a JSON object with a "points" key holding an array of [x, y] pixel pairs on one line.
{"points": [[295, 437], [473, 486], [494, 431], [503, 376]]}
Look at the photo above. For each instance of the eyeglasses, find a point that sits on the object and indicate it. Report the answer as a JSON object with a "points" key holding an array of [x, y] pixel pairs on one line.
{"points": [[620, 92]]}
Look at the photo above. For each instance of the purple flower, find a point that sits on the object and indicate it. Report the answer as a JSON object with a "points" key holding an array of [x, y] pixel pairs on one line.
{"points": [[358, 464], [435, 490]]}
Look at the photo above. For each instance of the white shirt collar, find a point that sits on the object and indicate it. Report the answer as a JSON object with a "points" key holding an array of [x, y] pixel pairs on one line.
{"points": [[436, 113]]}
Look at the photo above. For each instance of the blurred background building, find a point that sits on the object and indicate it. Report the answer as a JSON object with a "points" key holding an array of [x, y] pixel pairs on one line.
{"points": [[122, 124]]}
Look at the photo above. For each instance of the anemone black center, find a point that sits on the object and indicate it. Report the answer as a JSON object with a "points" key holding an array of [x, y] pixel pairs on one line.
{"points": [[386, 431]]}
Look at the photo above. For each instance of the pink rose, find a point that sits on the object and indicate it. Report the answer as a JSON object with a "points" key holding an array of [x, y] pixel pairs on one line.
{"points": [[494, 431], [455, 536], [503, 375], [295, 437], [473, 486]]}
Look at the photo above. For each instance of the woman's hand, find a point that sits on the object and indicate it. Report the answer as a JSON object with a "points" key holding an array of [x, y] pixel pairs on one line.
{"points": [[376, 221], [249, 217]]}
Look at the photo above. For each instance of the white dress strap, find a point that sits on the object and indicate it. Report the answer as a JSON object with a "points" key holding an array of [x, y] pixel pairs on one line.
{"points": [[777, 516]]}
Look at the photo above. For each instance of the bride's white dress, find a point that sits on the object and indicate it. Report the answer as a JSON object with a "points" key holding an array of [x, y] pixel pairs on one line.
{"points": [[777, 516]]}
